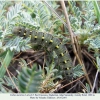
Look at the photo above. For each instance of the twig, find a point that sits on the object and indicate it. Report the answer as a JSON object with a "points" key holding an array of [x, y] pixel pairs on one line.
{"points": [[85, 54], [70, 31], [74, 60], [12, 80], [78, 48], [17, 55], [72, 87], [72, 82], [72, 40], [36, 59], [94, 84], [12, 74], [44, 62], [89, 55], [82, 85], [55, 13]]}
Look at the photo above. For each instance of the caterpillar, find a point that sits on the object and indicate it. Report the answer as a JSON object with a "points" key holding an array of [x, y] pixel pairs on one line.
{"points": [[47, 39]]}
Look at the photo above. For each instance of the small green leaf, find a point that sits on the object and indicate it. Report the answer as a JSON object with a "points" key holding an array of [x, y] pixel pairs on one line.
{"points": [[29, 80], [6, 63]]}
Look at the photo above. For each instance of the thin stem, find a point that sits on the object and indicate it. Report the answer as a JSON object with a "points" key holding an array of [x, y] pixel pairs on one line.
{"points": [[94, 84], [70, 30], [55, 13], [82, 85], [71, 82], [12, 80], [73, 42], [72, 87], [36, 58]]}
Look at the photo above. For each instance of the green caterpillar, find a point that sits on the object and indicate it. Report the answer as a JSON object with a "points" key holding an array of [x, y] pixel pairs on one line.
{"points": [[48, 40]]}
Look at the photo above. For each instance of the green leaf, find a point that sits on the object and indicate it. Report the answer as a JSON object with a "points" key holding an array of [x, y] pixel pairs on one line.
{"points": [[13, 12], [29, 80], [98, 62], [98, 90], [6, 63], [97, 10], [77, 71], [88, 88]]}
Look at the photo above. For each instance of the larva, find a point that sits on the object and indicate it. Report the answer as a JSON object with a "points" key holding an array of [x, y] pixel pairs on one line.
{"points": [[50, 41]]}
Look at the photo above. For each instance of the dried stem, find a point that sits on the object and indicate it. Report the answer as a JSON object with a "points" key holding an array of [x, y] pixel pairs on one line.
{"points": [[72, 88], [36, 59], [72, 82], [73, 42], [88, 54], [54, 12], [12, 80], [94, 84], [70, 31]]}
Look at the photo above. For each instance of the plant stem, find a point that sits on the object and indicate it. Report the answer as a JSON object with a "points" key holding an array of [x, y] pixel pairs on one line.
{"points": [[55, 13], [70, 31], [73, 42], [94, 84], [12, 81]]}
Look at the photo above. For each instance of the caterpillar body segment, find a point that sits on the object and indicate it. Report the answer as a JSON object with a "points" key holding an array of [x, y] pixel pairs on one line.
{"points": [[34, 37], [60, 49], [48, 41], [64, 61], [41, 37], [54, 43], [27, 33], [16, 30]]}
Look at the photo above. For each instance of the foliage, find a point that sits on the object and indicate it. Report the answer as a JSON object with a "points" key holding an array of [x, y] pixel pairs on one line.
{"points": [[98, 63], [77, 71], [17, 44], [6, 63], [82, 22], [6, 81], [29, 80], [35, 15], [98, 91], [42, 79], [97, 10], [48, 79], [87, 88]]}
